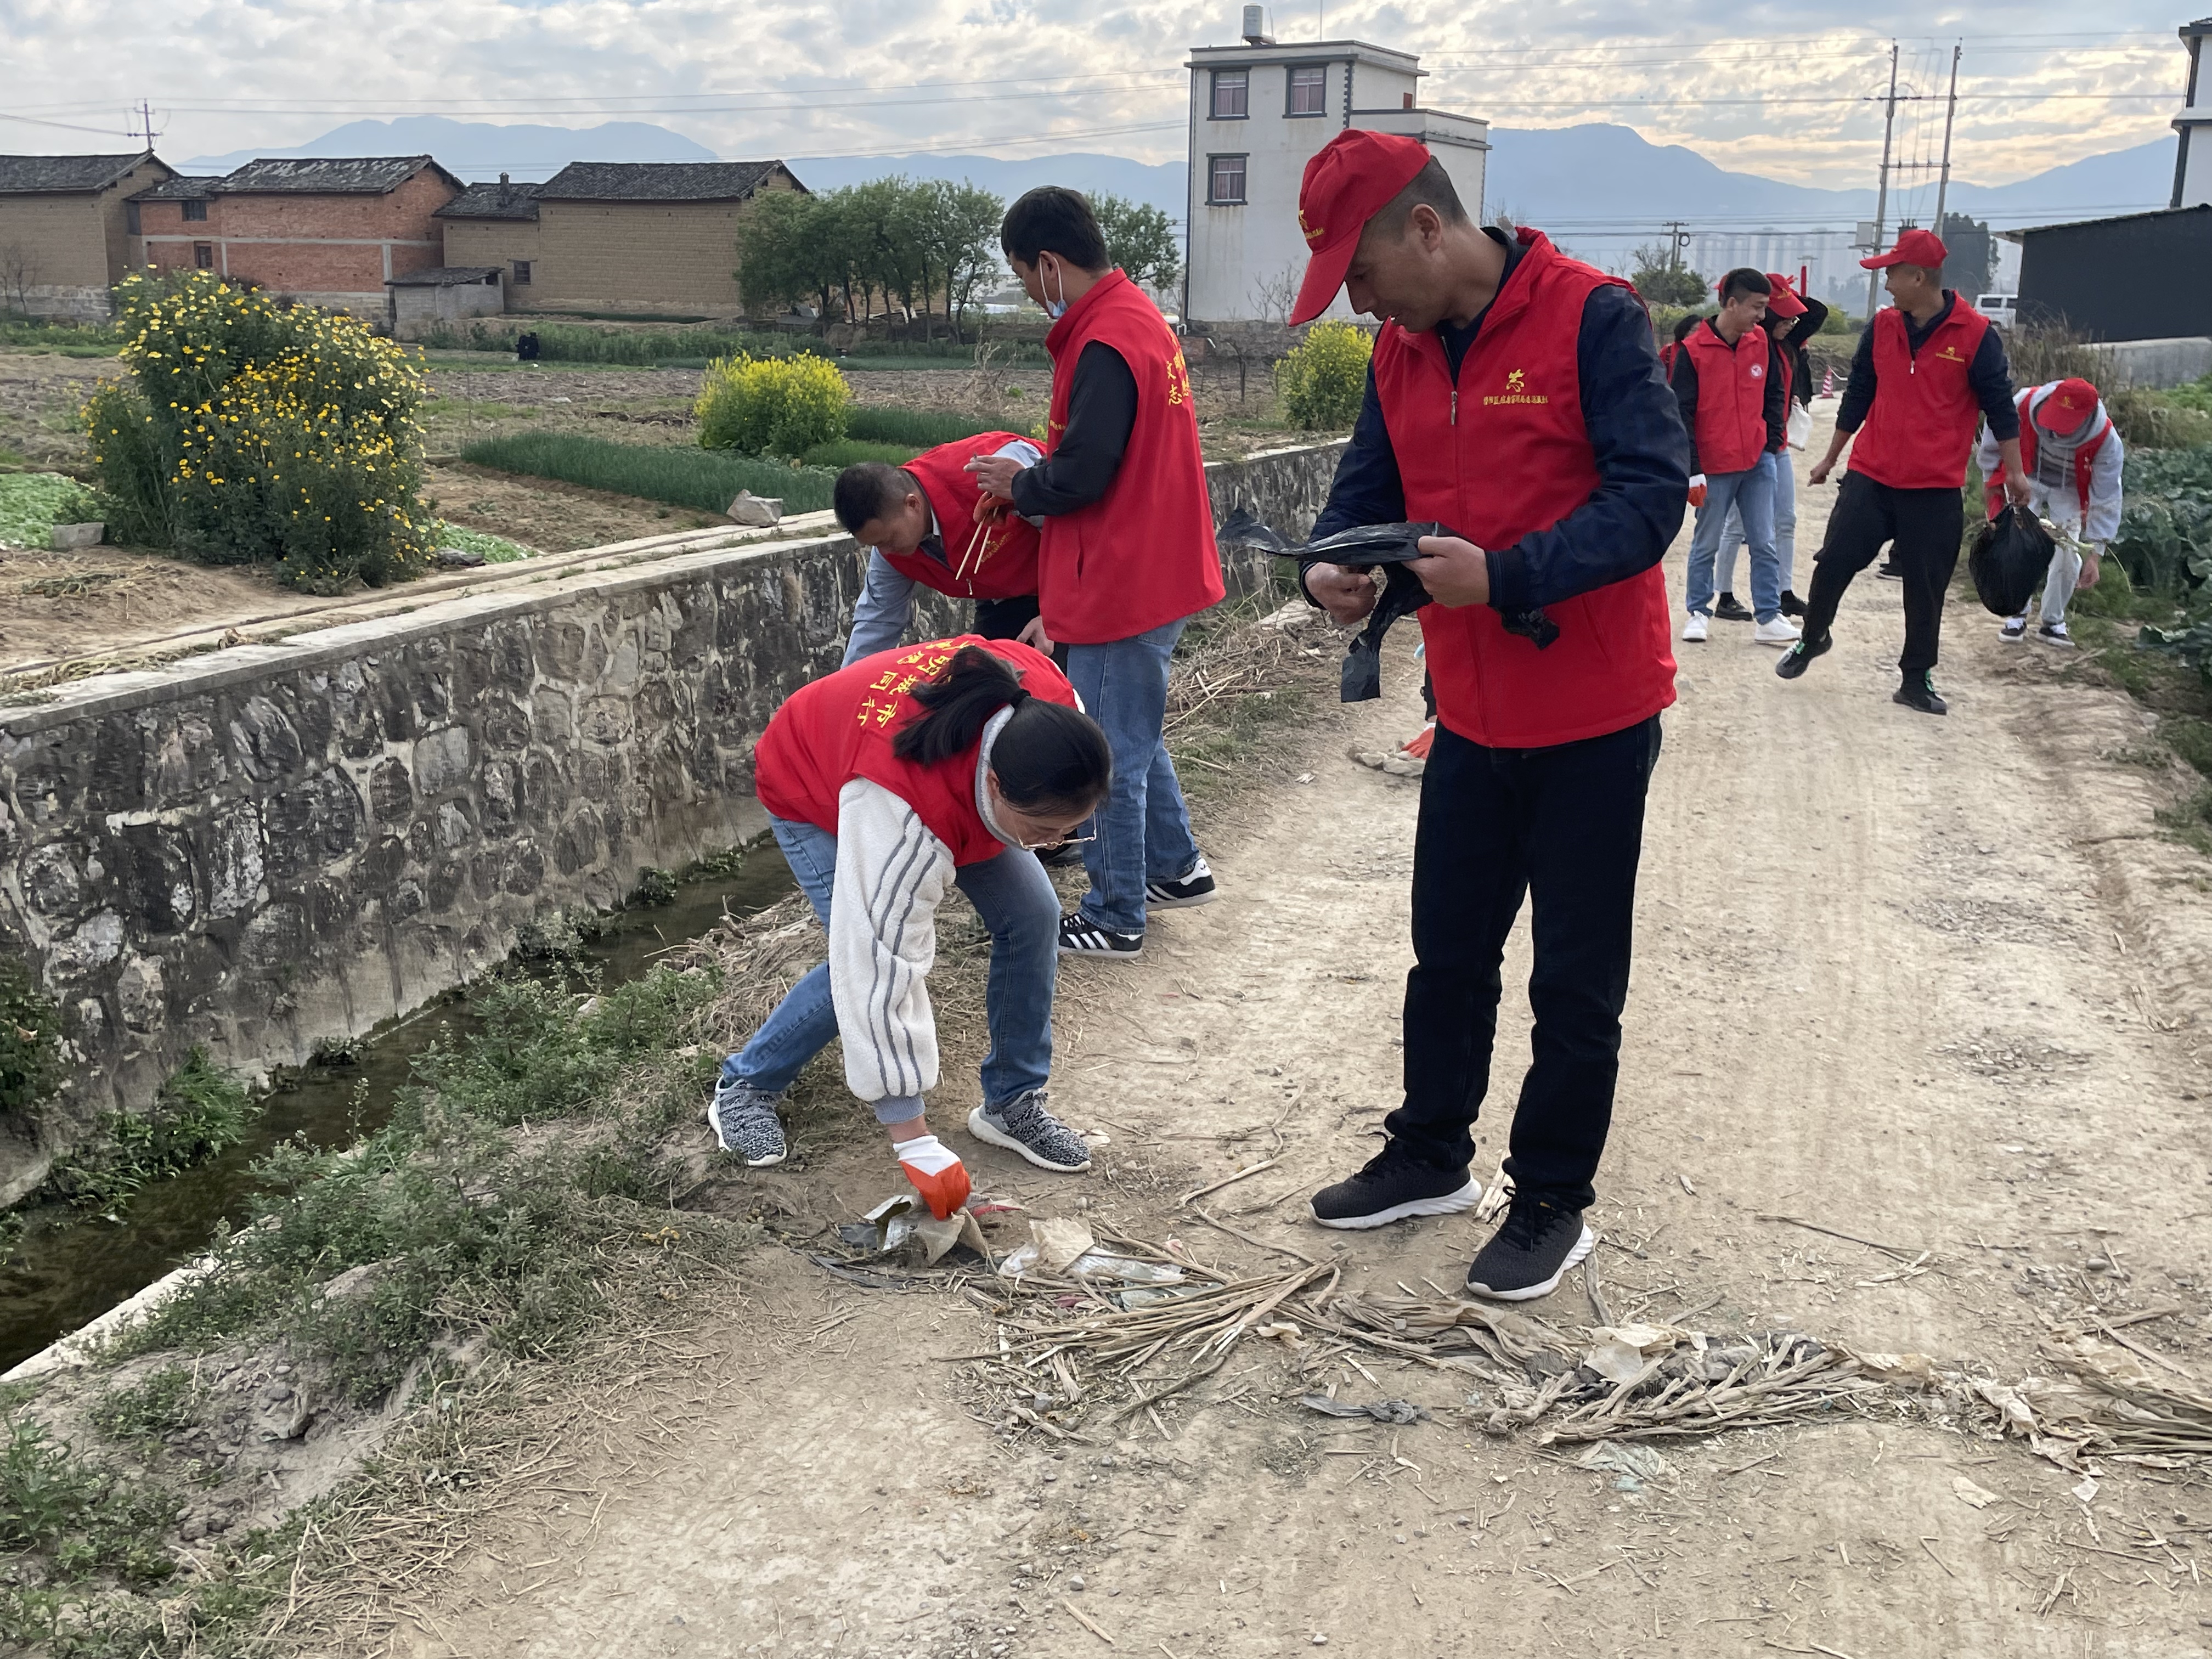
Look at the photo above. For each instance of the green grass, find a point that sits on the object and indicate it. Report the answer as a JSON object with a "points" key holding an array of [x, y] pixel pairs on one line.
{"points": [[497, 550], [200, 1110], [917, 429], [683, 477], [847, 452], [569, 344], [71, 340], [32, 503], [164, 1401]]}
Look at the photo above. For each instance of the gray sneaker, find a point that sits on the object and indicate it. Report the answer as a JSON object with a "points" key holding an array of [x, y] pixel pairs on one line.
{"points": [[744, 1121], [1023, 1126]]}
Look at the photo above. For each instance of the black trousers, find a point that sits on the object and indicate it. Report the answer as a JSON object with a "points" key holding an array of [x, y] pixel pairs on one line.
{"points": [[1004, 619], [1924, 527], [1563, 827]]}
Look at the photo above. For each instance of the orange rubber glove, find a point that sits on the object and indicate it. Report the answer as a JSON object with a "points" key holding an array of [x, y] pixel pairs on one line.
{"points": [[936, 1172], [1697, 490]]}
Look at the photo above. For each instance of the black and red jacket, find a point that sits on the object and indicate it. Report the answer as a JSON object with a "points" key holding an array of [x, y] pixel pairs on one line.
{"points": [[1735, 405], [1916, 396]]}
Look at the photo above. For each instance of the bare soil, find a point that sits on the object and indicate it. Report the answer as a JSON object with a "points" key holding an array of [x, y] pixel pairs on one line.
{"points": [[1938, 984]]}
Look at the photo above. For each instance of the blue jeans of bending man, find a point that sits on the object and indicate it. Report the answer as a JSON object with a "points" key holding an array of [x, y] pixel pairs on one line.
{"points": [[1013, 895], [1142, 834], [1751, 494], [1785, 530]]}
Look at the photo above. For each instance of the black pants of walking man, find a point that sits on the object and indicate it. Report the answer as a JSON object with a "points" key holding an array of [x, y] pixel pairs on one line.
{"points": [[1924, 526], [1562, 826]]}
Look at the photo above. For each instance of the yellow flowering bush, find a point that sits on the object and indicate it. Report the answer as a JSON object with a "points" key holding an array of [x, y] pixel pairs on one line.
{"points": [[771, 405], [251, 431], [1321, 383]]}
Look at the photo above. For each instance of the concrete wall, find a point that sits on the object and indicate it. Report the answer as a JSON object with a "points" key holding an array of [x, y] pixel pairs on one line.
{"points": [[2155, 364], [415, 309], [54, 245], [276, 846], [680, 258]]}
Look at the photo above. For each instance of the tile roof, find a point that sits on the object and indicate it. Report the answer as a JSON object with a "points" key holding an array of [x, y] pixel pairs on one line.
{"points": [[656, 181], [375, 175], [445, 277], [482, 202], [55, 175], [194, 187]]}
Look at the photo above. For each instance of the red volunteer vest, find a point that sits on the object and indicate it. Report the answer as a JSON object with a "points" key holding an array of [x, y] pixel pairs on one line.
{"points": [[995, 559], [840, 726], [1142, 554], [1497, 457], [1920, 431], [2085, 456], [1731, 397]]}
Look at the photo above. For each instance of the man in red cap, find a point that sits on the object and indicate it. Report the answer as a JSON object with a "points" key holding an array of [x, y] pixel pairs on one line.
{"points": [[1515, 397], [1927, 370], [2072, 455]]}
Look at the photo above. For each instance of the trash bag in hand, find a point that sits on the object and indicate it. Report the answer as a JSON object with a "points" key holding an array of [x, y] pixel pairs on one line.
{"points": [[2006, 558]]}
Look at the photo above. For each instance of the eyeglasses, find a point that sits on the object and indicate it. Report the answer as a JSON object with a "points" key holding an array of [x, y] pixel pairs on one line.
{"points": [[1053, 845]]}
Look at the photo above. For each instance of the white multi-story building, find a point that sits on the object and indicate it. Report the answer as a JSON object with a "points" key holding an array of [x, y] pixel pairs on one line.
{"points": [[1258, 112]]}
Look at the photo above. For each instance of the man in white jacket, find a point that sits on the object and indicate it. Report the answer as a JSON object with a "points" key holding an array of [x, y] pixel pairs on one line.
{"points": [[2072, 455]]}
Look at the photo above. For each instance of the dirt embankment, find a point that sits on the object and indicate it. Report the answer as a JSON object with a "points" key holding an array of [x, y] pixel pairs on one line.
{"points": [[1912, 1062]]}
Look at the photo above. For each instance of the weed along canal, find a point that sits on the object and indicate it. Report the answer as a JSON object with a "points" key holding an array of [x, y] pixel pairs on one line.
{"points": [[69, 1265]]}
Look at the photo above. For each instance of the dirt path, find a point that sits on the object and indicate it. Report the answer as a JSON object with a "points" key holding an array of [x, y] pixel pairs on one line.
{"points": [[1929, 982]]}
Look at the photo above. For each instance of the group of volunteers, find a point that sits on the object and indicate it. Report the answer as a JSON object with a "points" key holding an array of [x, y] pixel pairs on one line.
{"points": [[1517, 399]]}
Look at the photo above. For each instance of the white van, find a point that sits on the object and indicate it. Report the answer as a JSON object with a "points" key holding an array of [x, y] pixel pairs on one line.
{"points": [[2003, 309]]}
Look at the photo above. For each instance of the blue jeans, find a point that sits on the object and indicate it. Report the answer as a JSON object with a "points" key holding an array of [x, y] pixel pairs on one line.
{"points": [[1018, 903], [1785, 529], [1142, 834], [1750, 493]]}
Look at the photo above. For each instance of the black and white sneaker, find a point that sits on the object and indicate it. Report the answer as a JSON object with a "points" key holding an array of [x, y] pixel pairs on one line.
{"points": [[1889, 572], [1082, 938], [2054, 634], [1728, 608], [1023, 1125], [1194, 886], [745, 1122], [1920, 693], [1395, 1186], [1526, 1257]]}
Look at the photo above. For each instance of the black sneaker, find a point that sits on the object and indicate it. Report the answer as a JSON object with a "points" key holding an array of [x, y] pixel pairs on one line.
{"points": [[1023, 1125], [1791, 605], [1394, 1186], [1526, 1257], [1728, 608], [1889, 572], [1920, 694], [1079, 938], [1799, 657], [1193, 887]]}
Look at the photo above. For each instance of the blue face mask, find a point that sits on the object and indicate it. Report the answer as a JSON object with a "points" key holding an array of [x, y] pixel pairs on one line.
{"points": [[1054, 309]]}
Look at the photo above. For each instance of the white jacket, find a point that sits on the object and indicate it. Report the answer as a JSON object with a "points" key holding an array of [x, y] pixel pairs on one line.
{"points": [[2061, 503]]}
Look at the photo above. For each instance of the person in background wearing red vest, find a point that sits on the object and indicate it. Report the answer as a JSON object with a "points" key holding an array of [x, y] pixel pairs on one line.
{"points": [[1683, 325], [922, 525], [1737, 410], [1789, 318], [886, 783], [2072, 454], [1125, 552], [1927, 369], [1515, 396]]}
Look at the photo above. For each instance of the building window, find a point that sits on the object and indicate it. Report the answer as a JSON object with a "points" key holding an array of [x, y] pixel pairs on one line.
{"points": [[196, 212], [522, 273], [1309, 91], [1232, 94], [203, 255], [1224, 182], [132, 226]]}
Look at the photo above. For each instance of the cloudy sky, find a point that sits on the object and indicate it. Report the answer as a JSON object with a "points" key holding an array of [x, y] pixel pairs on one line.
{"points": [[1780, 92]]}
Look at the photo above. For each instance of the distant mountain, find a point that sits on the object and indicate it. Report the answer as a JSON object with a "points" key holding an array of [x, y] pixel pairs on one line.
{"points": [[1162, 185], [2118, 181], [483, 151]]}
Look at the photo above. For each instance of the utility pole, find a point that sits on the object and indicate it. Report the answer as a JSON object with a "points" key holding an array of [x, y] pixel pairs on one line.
{"points": [[1882, 195], [1677, 239], [146, 123], [1950, 113]]}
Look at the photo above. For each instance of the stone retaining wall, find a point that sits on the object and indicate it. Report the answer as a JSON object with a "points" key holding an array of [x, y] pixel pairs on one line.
{"points": [[272, 847]]}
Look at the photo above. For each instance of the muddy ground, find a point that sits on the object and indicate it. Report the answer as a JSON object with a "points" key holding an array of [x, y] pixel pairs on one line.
{"points": [[1937, 984]]}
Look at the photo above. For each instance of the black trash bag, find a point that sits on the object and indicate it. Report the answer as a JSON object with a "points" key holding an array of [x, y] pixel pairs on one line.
{"points": [[2006, 558], [1373, 547]]}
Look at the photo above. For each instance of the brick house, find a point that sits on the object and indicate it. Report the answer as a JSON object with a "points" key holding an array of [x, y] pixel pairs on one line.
{"points": [[626, 236], [327, 233], [65, 230]]}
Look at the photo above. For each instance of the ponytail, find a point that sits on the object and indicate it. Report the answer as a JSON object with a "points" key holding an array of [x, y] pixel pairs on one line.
{"points": [[1048, 756]]}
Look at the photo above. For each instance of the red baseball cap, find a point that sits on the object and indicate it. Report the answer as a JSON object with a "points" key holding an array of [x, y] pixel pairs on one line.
{"points": [[2071, 402], [1350, 181], [1914, 248], [1782, 300]]}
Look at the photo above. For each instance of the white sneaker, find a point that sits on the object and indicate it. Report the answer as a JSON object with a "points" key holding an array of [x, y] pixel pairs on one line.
{"points": [[1778, 630], [2014, 631], [1694, 629]]}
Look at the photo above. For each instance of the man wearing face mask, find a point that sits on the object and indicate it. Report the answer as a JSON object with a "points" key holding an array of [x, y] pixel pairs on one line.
{"points": [[1125, 552]]}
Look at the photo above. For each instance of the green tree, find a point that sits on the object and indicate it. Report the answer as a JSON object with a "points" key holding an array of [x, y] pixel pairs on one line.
{"points": [[1973, 255], [965, 220], [1663, 280], [1142, 240]]}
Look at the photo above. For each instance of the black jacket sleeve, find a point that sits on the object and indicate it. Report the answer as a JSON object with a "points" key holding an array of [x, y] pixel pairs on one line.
{"points": [[1990, 375], [1858, 394], [1776, 407], [1684, 384], [1102, 412], [1641, 451]]}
